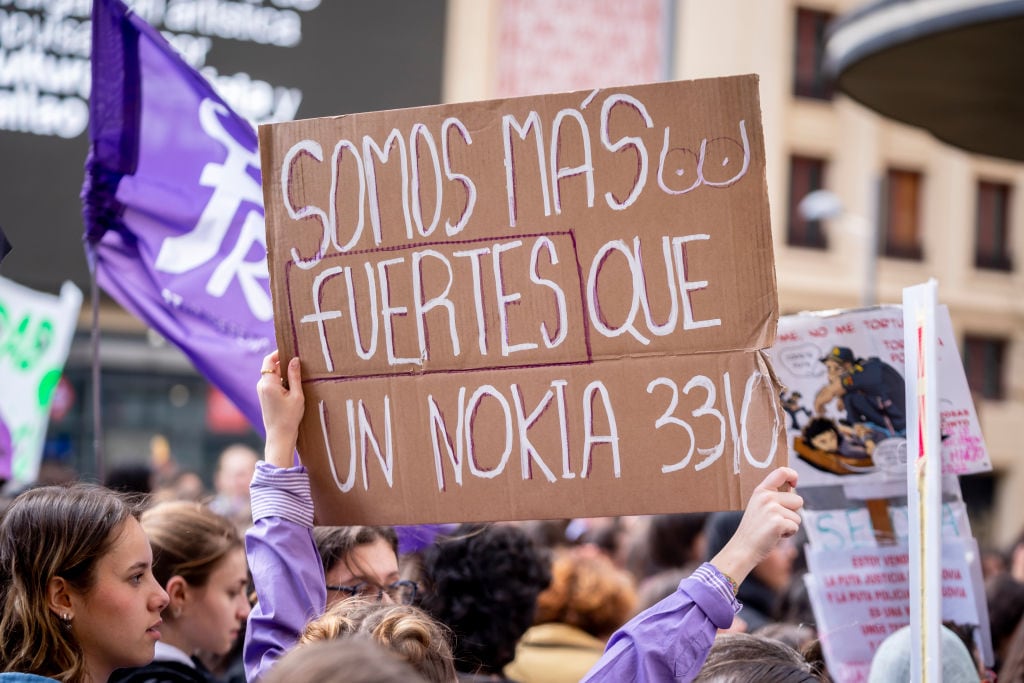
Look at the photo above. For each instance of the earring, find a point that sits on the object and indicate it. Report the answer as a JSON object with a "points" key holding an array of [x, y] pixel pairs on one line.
{"points": [[176, 612], [66, 618]]}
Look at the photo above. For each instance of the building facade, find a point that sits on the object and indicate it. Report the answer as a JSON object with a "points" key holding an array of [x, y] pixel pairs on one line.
{"points": [[911, 207]]}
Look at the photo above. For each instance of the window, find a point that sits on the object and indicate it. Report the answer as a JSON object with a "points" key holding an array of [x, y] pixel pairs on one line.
{"points": [[991, 231], [808, 78], [979, 494], [901, 214], [983, 364], [806, 174]]}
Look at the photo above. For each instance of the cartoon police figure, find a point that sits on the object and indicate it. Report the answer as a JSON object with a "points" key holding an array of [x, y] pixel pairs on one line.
{"points": [[872, 391]]}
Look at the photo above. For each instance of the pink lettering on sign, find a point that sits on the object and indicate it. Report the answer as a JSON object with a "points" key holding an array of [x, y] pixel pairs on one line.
{"points": [[842, 580], [884, 324], [897, 560], [892, 595], [953, 592], [885, 577], [961, 447]]}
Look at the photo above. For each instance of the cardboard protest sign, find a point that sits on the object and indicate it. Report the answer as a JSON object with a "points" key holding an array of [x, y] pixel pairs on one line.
{"points": [[860, 596], [539, 307], [844, 372], [35, 335]]}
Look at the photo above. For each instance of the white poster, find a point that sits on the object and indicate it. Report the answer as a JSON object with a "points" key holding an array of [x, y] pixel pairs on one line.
{"points": [[860, 596], [845, 400], [35, 336]]}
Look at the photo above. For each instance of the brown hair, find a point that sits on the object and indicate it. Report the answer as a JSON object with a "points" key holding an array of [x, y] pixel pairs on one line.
{"points": [[334, 543], [737, 657], [588, 592], [188, 540], [50, 532], [405, 630]]}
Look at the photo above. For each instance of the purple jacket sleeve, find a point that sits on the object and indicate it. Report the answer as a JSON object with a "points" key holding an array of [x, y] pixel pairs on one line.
{"points": [[669, 641], [285, 565]]}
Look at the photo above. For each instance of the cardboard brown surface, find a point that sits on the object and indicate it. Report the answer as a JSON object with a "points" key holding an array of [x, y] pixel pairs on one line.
{"points": [[556, 294]]}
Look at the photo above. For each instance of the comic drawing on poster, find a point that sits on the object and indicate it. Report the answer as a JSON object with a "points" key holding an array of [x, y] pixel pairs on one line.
{"points": [[845, 395]]}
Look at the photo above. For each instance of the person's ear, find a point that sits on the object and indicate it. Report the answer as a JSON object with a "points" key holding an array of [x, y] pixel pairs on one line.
{"points": [[58, 598], [178, 593]]}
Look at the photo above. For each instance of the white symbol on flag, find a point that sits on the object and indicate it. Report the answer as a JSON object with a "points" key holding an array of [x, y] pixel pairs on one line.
{"points": [[232, 184]]}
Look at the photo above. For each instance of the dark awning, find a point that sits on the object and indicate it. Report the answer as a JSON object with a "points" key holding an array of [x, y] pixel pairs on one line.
{"points": [[954, 67]]}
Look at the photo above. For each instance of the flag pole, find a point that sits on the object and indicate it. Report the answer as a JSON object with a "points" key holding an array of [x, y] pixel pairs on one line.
{"points": [[97, 411], [924, 484]]}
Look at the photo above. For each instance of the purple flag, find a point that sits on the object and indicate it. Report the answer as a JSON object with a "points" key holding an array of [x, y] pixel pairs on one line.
{"points": [[173, 206], [5, 246]]}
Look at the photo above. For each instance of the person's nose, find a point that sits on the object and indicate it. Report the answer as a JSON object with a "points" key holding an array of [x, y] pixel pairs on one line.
{"points": [[159, 599], [243, 608]]}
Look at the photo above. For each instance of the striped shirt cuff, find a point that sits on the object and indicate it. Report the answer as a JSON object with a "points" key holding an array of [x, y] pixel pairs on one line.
{"points": [[710, 576], [281, 492]]}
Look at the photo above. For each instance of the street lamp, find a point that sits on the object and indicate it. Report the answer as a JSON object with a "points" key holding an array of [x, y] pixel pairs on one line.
{"points": [[824, 205]]}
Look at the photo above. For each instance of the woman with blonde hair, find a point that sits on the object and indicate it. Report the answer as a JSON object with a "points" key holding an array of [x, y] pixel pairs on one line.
{"points": [[407, 631], [199, 559], [77, 594]]}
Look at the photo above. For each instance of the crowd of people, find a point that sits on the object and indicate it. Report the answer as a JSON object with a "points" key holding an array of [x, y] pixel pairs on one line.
{"points": [[176, 587]]}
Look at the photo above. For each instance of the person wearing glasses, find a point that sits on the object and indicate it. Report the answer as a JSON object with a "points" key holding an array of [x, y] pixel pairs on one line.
{"points": [[362, 561], [287, 556]]}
